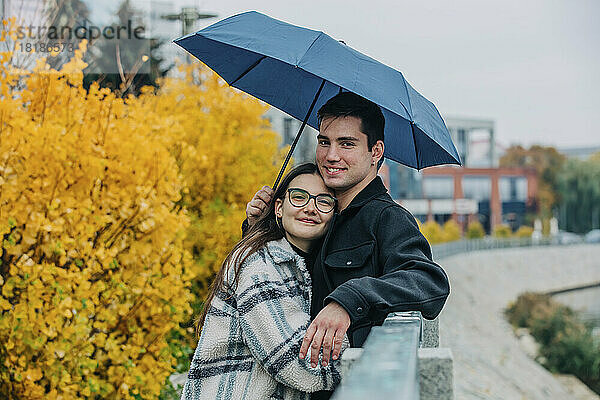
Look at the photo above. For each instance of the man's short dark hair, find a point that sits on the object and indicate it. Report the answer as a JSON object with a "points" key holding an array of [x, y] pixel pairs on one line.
{"points": [[348, 104]]}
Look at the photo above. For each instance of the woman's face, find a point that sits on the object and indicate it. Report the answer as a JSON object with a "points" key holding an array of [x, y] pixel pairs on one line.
{"points": [[304, 224]]}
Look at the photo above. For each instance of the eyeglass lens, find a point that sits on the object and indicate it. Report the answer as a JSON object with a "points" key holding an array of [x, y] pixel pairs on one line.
{"points": [[300, 197]]}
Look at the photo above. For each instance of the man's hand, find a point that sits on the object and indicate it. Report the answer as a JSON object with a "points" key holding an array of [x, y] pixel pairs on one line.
{"points": [[258, 204], [328, 329]]}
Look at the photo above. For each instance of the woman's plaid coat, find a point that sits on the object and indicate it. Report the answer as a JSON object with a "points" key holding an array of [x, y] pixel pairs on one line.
{"points": [[251, 338]]}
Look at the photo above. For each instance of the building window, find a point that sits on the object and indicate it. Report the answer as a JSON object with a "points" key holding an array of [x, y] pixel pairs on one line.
{"points": [[513, 188], [438, 187], [477, 187], [463, 144]]}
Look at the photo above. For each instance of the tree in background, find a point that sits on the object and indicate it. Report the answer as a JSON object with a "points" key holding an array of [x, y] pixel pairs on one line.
{"points": [[126, 69], [579, 190], [64, 13], [125, 66], [547, 161]]}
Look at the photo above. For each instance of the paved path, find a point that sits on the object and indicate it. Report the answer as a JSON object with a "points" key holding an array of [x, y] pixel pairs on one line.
{"points": [[488, 361]]}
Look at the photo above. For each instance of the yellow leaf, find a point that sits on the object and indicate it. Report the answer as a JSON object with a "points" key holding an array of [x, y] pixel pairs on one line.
{"points": [[34, 374]]}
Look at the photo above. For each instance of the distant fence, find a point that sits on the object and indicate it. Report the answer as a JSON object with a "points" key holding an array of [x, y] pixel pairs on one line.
{"points": [[464, 246]]}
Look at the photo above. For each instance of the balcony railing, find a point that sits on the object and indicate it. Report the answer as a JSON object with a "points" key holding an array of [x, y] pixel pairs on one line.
{"points": [[464, 246], [388, 367]]}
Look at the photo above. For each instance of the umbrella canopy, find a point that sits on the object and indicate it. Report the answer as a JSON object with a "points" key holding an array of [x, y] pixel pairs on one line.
{"points": [[297, 70]]}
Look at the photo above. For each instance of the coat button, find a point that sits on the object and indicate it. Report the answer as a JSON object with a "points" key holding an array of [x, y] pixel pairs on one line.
{"points": [[359, 310], [348, 262]]}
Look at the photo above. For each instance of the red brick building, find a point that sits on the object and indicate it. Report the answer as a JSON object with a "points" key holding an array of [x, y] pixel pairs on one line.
{"points": [[501, 190], [490, 195]]}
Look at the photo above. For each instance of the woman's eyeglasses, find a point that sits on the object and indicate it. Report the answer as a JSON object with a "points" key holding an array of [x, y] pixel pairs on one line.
{"points": [[300, 197]]}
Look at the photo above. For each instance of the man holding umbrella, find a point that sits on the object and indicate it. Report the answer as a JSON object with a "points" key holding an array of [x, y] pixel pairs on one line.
{"points": [[374, 260]]}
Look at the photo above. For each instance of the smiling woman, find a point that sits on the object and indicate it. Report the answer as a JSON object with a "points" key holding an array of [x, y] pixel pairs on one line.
{"points": [[259, 304], [304, 216]]}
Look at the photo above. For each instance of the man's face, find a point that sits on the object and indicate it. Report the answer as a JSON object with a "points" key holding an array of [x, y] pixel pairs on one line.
{"points": [[343, 155]]}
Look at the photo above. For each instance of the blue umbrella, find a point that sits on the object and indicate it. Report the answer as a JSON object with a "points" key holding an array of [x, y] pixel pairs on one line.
{"points": [[297, 70]]}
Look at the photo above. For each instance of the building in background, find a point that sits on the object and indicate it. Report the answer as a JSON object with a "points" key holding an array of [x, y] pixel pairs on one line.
{"points": [[475, 141], [492, 196], [287, 127], [479, 190]]}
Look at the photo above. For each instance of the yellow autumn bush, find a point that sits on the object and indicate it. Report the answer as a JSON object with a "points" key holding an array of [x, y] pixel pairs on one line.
{"points": [[475, 230], [93, 267], [451, 231], [225, 150], [114, 215], [502, 231], [433, 232], [524, 231], [436, 233]]}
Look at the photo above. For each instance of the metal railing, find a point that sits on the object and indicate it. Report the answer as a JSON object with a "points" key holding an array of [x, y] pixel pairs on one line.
{"points": [[388, 368], [464, 246]]}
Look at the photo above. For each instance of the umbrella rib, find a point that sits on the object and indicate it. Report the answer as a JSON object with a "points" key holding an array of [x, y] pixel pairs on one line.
{"points": [[308, 48], [289, 154], [412, 128], [409, 102], [412, 124], [248, 70]]}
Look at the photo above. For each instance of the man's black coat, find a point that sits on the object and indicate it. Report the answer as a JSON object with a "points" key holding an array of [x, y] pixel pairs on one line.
{"points": [[374, 261]]}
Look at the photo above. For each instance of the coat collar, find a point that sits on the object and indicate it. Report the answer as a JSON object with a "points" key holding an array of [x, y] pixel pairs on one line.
{"points": [[281, 251], [373, 189]]}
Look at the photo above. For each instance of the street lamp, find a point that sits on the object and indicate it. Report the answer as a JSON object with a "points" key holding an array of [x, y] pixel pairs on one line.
{"points": [[187, 16]]}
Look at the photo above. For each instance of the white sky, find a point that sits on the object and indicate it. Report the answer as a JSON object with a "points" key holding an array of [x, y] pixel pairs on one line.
{"points": [[531, 65]]}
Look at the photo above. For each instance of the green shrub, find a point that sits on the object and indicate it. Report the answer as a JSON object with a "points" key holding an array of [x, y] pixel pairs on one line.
{"points": [[570, 354], [566, 344], [521, 312], [524, 231], [432, 232], [451, 231], [502, 231], [475, 230]]}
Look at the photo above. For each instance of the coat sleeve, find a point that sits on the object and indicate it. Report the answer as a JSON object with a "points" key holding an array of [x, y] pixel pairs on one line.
{"points": [[273, 323], [409, 280]]}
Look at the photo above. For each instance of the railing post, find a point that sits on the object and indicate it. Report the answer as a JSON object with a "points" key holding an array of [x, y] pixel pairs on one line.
{"points": [[388, 367]]}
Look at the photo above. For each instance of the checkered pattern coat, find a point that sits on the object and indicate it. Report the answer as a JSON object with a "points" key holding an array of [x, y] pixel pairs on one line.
{"points": [[251, 339]]}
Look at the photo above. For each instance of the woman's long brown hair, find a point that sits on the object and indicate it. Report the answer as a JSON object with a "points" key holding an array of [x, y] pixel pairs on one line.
{"points": [[263, 231]]}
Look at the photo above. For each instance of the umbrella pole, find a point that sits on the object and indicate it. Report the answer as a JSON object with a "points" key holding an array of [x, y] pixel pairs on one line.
{"points": [[289, 154]]}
